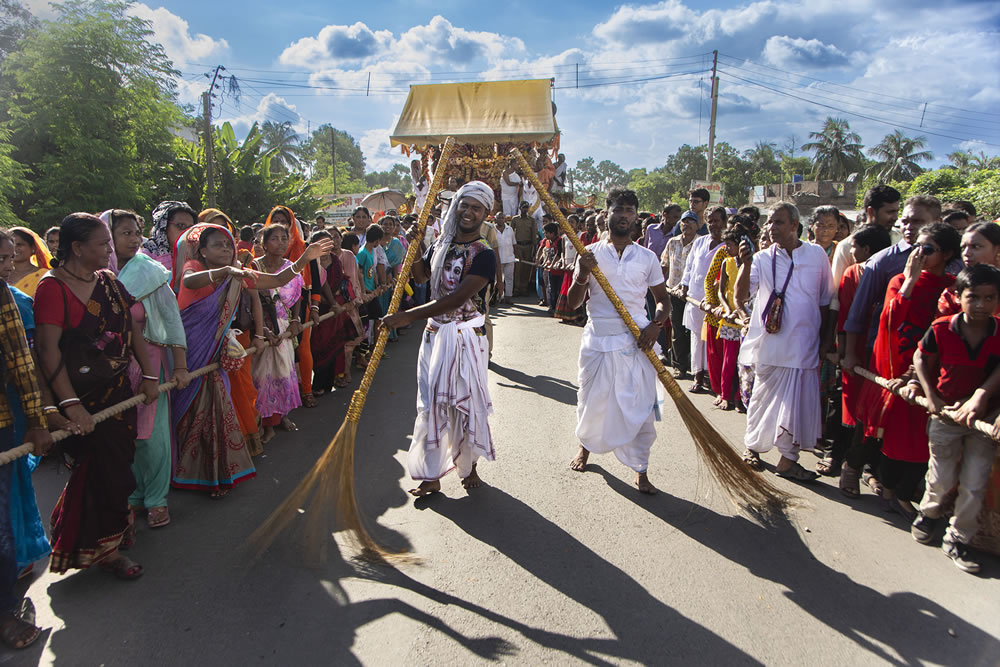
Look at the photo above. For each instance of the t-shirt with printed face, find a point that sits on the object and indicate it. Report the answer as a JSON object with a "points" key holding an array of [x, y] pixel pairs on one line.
{"points": [[473, 258], [366, 265]]}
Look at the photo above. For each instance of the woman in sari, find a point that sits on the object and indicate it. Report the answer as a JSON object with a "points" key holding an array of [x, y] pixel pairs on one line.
{"points": [[31, 260], [910, 308], [170, 220], [274, 373], [334, 339], [86, 335], [149, 283], [282, 215], [241, 386], [349, 245], [211, 452]]}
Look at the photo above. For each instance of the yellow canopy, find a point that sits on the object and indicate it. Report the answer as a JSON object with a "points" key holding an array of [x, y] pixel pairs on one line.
{"points": [[476, 113]]}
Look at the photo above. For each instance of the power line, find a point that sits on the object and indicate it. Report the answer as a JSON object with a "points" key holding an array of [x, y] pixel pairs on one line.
{"points": [[853, 113]]}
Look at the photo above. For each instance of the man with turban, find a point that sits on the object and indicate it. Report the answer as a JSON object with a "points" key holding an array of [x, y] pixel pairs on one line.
{"points": [[452, 427]]}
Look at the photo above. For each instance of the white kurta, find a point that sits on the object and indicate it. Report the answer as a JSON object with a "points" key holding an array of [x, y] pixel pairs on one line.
{"points": [[452, 428], [696, 267], [510, 201], [784, 408], [617, 400]]}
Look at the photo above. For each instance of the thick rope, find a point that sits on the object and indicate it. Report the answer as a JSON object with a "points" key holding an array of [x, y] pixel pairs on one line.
{"points": [[111, 411], [983, 427]]}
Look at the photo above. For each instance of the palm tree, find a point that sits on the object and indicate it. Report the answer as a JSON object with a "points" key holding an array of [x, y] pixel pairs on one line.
{"points": [[281, 141], [898, 157], [838, 150], [968, 162]]}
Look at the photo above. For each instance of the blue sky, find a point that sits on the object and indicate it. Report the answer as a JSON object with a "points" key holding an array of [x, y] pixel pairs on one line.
{"points": [[786, 65]]}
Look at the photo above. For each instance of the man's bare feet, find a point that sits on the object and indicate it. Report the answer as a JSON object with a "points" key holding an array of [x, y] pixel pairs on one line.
{"points": [[426, 488], [472, 481], [645, 486], [579, 462]]}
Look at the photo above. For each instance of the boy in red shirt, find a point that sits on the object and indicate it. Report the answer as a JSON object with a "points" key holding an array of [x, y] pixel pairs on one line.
{"points": [[954, 359]]}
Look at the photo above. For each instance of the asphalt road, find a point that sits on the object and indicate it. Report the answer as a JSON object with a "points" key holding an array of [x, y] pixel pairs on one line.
{"points": [[543, 565]]}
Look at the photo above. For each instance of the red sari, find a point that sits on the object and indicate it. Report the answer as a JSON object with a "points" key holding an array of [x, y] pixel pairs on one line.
{"points": [[901, 326], [330, 337]]}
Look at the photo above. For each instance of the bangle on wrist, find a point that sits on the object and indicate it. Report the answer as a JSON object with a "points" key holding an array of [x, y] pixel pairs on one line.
{"points": [[49, 409], [586, 280], [151, 377], [914, 381], [69, 401], [180, 368], [260, 337]]}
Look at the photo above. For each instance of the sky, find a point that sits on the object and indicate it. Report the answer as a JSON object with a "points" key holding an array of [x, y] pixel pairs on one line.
{"points": [[928, 68]]}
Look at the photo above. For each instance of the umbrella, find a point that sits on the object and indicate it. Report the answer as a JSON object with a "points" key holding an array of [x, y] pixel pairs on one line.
{"points": [[383, 200]]}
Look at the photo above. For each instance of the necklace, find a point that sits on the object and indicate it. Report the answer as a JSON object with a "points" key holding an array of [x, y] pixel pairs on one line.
{"points": [[92, 278]]}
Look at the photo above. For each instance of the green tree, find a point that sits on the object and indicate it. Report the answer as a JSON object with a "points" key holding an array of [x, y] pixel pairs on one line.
{"points": [[15, 24], [316, 155], [611, 175], [897, 156], [90, 112], [586, 179], [837, 150], [397, 178], [687, 164], [653, 189], [12, 182], [968, 162], [282, 142]]}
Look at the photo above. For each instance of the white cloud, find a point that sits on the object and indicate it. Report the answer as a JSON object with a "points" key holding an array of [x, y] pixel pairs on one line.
{"points": [[379, 156], [271, 107], [174, 34], [335, 44], [797, 53]]}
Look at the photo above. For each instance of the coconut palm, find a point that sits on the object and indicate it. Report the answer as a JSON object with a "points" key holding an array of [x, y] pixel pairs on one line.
{"points": [[281, 141], [838, 150], [968, 162], [897, 157]]}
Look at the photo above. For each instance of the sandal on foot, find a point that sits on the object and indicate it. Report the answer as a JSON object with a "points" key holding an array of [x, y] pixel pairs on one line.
{"points": [[157, 517], [123, 568], [17, 633], [850, 481], [752, 459], [797, 473], [219, 493], [309, 401], [872, 483], [828, 467]]}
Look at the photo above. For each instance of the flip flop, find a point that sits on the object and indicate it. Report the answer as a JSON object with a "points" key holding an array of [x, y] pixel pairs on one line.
{"points": [[797, 473]]}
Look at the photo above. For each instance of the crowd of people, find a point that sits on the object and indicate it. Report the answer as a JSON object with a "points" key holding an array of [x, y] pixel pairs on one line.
{"points": [[772, 315]]}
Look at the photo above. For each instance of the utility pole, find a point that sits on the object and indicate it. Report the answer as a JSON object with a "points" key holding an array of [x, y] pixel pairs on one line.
{"points": [[578, 75], [922, 114], [206, 102], [333, 157], [715, 104]]}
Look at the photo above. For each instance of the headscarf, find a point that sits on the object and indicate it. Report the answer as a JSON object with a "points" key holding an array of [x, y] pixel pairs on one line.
{"points": [[479, 191], [210, 214], [158, 244], [41, 257], [296, 241], [107, 220], [187, 249]]}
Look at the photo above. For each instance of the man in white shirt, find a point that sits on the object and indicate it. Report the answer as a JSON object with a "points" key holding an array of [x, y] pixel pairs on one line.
{"points": [[558, 184], [617, 402], [696, 267], [784, 410], [510, 191], [505, 250]]}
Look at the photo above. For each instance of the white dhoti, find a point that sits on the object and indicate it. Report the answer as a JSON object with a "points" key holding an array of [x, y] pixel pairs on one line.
{"points": [[618, 400], [452, 428], [784, 410], [694, 320]]}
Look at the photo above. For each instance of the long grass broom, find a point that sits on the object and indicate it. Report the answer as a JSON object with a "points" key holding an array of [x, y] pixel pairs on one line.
{"points": [[332, 476], [743, 485]]}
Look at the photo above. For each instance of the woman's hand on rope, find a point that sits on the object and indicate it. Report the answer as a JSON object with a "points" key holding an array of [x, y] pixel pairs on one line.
{"points": [[259, 344], [910, 392], [295, 327], [314, 316], [80, 418], [182, 377], [41, 439], [151, 390]]}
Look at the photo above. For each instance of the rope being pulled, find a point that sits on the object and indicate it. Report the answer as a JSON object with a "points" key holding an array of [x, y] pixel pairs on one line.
{"points": [[23, 450], [983, 427]]}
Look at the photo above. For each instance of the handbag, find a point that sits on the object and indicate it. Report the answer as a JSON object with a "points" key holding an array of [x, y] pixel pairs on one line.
{"points": [[775, 306], [84, 359]]}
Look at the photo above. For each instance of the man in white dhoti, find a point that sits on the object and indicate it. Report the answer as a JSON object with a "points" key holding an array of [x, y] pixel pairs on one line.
{"points": [[617, 399], [535, 208], [452, 427], [510, 191], [692, 285], [784, 410]]}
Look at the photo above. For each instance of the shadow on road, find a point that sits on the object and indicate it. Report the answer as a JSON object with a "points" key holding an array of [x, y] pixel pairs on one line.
{"points": [[645, 629], [913, 626], [543, 385]]}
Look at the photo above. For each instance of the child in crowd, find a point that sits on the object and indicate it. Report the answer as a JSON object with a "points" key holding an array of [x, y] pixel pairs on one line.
{"points": [[954, 359]]}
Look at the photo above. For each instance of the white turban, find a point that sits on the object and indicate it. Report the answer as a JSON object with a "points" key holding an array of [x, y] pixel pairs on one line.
{"points": [[477, 190]]}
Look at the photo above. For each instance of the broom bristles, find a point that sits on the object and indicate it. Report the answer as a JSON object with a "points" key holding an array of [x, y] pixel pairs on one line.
{"points": [[330, 482]]}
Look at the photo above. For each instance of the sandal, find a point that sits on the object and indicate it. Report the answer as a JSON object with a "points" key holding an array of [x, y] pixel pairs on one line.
{"points": [[872, 483], [216, 494], [309, 401], [157, 517], [17, 633], [752, 459], [828, 467], [128, 537], [797, 473], [123, 568], [850, 481]]}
